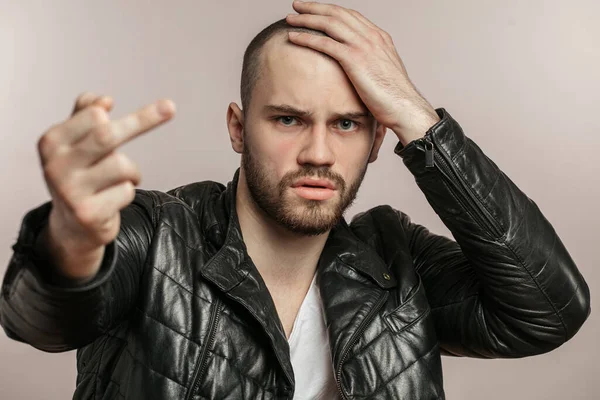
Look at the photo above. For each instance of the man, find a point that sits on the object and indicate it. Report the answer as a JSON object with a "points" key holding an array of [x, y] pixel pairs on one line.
{"points": [[261, 289]]}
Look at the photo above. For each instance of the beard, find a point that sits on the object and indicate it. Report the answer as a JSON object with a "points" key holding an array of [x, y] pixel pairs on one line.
{"points": [[297, 214]]}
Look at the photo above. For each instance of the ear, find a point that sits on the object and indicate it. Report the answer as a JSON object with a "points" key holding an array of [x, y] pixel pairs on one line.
{"points": [[379, 135], [235, 125]]}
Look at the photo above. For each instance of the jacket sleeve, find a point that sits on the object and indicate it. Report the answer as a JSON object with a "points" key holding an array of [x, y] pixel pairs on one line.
{"points": [[507, 287], [54, 314]]}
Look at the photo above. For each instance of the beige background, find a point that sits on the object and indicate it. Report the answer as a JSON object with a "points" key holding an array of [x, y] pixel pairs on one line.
{"points": [[522, 78]]}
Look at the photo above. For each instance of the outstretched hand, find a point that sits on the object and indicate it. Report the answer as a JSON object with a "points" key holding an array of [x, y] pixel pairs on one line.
{"points": [[89, 180]]}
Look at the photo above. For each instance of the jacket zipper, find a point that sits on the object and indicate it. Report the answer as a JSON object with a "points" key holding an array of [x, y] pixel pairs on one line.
{"points": [[243, 304], [203, 362], [287, 376], [465, 194], [354, 338]]}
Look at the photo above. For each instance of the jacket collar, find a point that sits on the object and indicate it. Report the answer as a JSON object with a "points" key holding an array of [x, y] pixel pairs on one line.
{"points": [[345, 263], [232, 264]]}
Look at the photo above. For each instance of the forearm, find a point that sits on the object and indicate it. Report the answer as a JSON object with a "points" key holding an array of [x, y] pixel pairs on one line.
{"points": [[55, 313], [42, 308], [513, 287]]}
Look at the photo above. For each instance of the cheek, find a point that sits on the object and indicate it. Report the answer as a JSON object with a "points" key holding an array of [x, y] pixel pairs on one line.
{"points": [[276, 157], [355, 150], [283, 150]]}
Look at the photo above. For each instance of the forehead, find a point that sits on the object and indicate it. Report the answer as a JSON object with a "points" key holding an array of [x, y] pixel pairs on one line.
{"points": [[303, 77]]}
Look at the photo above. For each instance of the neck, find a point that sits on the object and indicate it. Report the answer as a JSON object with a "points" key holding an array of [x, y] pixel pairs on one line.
{"points": [[282, 257]]}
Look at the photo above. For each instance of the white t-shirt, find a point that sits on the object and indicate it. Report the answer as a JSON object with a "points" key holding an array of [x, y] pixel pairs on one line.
{"points": [[310, 351]]}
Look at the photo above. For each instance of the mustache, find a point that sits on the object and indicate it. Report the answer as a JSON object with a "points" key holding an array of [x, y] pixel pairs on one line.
{"points": [[314, 172]]}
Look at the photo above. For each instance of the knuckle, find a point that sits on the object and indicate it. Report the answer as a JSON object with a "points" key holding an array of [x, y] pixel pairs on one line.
{"points": [[354, 52], [121, 160], [83, 99], [46, 143], [50, 139], [66, 194], [103, 136], [122, 163], [83, 95], [145, 118], [64, 188], [335, 8], [98, 115], [108, 230], [84, 213], [129, 190], [372, 42], [381, 36]]}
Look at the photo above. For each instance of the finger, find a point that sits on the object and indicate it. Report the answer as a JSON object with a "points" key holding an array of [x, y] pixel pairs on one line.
{"points": [[334, 27], [103, 206], [323, 44], [83, 100], [77, 127], [89, 110], [332, 10], [386, 36], [105, 102], [363, 19], [60, 138], [146, 118], [109, 171], [113, 199], [103, 139], [75, 185], [87, 99]]}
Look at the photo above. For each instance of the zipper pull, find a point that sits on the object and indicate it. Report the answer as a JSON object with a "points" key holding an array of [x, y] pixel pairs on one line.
{"points": [[429, 161]]}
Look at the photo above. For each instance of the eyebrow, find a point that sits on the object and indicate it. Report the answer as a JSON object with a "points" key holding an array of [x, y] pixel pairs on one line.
{"points": [[290, 110]]}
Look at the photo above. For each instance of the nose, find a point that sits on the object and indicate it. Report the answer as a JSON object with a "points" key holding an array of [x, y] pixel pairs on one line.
{"points": [[317, 147]]}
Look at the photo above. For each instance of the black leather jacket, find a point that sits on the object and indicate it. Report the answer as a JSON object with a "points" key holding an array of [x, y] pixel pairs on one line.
{"points": [[179, 311]]}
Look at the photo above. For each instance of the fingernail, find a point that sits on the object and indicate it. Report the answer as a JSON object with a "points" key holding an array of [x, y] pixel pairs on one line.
{"points": [[165, 107]]}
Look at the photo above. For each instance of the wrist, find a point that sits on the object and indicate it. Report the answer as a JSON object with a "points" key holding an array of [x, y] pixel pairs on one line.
{"points": [[65, 258], [417, 120], [417, 129]]}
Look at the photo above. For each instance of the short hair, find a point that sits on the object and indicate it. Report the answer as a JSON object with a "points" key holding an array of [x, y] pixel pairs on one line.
{"points": [[251, 66]]}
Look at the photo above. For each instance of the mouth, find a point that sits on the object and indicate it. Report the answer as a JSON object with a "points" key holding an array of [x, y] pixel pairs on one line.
{"points": [[314, 189], [314, 183]]}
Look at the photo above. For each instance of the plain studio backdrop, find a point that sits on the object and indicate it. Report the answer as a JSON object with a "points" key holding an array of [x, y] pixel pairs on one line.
{"points": [[521, 77]]}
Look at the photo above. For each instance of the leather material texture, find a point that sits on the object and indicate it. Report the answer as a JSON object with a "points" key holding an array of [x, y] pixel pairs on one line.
{"points": [[179, 310]]}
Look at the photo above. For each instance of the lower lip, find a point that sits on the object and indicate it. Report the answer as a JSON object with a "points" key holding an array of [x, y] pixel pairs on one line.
{"points": [[311, 193]]}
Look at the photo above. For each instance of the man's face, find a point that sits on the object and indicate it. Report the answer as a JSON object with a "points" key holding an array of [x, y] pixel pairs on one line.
{"points": [[283, 146]]}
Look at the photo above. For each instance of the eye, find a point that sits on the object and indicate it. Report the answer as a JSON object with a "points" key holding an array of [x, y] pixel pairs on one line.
{"points": [[347, 124], [286, 120]]}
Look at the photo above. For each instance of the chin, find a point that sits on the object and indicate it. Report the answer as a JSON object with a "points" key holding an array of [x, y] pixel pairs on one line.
{"points": [[310, 217]]}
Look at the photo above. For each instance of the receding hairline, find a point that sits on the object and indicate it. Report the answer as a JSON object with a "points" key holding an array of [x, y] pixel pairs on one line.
{"points": [[252, 66]]}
